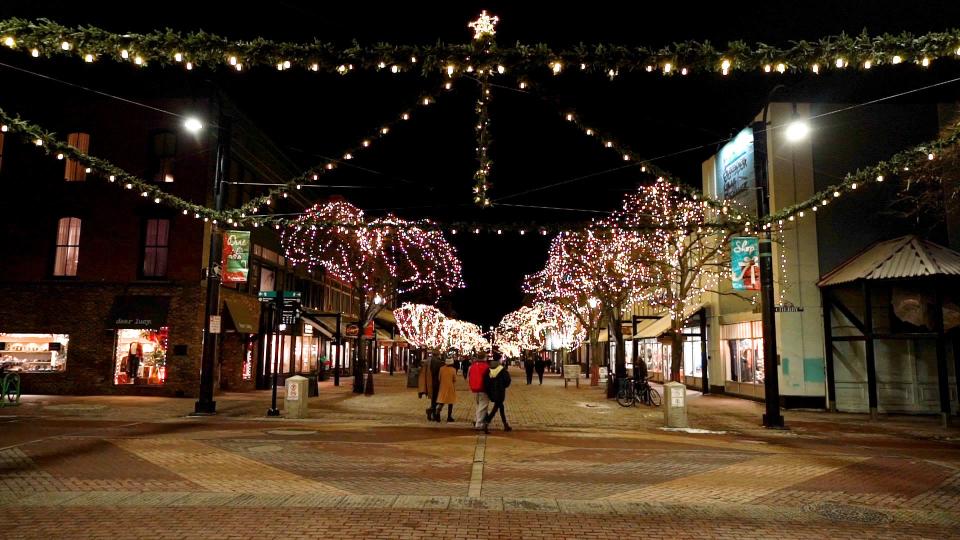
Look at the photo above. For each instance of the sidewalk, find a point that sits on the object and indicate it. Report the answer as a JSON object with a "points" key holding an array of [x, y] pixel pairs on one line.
{"points": [[549, 406]]}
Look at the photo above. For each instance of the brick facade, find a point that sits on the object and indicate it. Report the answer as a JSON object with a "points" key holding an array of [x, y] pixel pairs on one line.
{"points": [[82, 310]]}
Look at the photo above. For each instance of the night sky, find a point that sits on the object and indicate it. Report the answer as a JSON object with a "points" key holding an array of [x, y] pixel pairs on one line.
{"points": [[425, 169]]}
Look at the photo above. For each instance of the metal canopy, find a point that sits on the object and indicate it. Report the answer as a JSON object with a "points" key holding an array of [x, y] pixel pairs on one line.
{"points": [[904, 257]]}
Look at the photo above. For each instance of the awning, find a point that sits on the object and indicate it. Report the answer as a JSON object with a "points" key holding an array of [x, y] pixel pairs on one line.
{"points": [[656, 328], [900, 258], [136, 311], [245, 321], [326, 328], [383, 335], [385, 315]]}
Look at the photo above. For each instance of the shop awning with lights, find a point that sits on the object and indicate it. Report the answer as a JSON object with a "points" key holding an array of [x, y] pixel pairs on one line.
{"points": [[326, 326], [245, 320], [139, 311]]}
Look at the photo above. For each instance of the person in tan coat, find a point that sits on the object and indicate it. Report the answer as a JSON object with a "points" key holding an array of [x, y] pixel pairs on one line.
{"points": [[448, 391], [428, 385]]}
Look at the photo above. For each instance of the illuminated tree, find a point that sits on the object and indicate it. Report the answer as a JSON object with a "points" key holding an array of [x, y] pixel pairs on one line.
{"points": [[596, 274], [421, 325], [682, 246], [533, 328], [380, 258]]}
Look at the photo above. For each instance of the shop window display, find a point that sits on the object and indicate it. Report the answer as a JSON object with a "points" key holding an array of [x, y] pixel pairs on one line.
{"points": [[141, 356], [34, 353], [742, 351]]}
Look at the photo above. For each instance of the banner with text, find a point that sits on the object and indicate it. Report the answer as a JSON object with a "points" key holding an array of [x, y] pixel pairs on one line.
{"points": [[236, 256], [745, 263]]}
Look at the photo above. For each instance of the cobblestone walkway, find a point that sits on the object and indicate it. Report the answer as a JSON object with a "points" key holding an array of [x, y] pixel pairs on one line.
{"points": [[576, 466]]}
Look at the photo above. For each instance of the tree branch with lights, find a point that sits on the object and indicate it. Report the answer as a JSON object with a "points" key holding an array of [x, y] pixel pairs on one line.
{"points": [[380, 259]]}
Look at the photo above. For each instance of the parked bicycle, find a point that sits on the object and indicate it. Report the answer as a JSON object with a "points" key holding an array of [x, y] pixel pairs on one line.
{"points": [[632, 392]]}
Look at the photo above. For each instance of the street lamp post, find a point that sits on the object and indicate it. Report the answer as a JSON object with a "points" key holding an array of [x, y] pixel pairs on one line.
{"points": [[771, 372], [205, 404]]}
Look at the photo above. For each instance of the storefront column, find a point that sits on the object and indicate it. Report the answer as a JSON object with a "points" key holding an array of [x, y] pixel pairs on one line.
{"points": [[871, 359], [956, 363], [704, 358], [828, 351], [942, 376]]}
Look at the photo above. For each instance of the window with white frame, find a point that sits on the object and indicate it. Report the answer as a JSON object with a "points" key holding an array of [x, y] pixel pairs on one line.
{"points": [[156, 246]]}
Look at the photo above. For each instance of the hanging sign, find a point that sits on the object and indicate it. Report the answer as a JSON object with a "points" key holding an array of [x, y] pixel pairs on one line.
{"points": [[236, 256], [745, 263], [736, 177]]}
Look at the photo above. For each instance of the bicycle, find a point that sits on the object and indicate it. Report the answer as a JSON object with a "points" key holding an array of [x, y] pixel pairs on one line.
{"points": [[10, 389], [632, 392]]}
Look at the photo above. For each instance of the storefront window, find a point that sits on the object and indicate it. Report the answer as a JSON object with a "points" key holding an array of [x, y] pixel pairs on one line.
{"points": [[141, 356], [248, 362], [34, 353], [742, 351]]}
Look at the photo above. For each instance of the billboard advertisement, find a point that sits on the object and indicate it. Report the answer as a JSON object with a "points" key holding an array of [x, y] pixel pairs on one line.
{"points": [[736, 176]]}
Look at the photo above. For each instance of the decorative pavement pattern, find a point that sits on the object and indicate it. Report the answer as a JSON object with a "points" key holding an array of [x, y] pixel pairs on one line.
{"points": [[576, 466]]}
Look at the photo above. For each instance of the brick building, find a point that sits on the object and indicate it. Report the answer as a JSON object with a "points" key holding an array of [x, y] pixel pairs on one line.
{"points": [[104, 289]]}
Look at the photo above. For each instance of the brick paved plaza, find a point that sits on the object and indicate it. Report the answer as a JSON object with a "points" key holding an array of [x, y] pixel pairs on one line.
{"points": [[576, 466]]}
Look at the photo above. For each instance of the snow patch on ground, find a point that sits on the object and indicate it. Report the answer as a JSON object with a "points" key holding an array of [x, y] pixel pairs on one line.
{"points": [[694, 430]]}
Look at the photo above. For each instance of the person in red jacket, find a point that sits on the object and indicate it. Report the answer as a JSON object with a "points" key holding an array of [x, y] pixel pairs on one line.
{"points": [[478, 369]]}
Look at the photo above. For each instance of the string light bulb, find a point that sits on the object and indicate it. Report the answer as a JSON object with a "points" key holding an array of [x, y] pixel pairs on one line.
{"points": [[35, 52]]}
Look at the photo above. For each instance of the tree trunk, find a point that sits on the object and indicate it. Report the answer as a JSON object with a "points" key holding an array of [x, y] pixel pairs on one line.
{"points": [[676, 354], [594, 357], [621, 351], [360, 366]]}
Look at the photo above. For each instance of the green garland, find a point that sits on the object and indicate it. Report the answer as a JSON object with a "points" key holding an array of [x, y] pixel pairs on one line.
{"points": [[484, 163], [314, 174], [50, 145], [210, 50], [889, 169]]}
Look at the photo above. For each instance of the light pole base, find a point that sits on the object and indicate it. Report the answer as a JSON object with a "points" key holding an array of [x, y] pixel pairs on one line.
{"points": [[273, 412], [204, 408], [775, 422]]}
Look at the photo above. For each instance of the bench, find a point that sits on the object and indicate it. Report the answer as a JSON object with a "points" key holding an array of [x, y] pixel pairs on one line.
{"points": [[571, 372]]}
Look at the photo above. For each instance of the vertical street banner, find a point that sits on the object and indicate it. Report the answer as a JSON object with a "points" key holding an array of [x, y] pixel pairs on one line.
{"points": [[745, 263], [236, 256]]}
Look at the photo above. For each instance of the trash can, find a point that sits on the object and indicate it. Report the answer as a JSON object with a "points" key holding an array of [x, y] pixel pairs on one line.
{"points": [[295, 400], [413, 375], [675, 405]]}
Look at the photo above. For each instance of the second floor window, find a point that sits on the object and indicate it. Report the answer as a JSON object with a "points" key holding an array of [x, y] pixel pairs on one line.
{"points": [[68, 247], [76, 171], [156, 247], [163, 151]]}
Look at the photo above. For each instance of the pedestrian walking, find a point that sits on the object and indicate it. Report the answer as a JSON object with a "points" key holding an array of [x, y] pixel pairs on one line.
{"points": [[465, 365], [478, 369], [540, 365], [428, 384], [495, 383], [448, 392], [528, 365]]}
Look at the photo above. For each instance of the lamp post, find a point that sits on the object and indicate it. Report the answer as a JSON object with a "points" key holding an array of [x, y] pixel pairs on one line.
{"points": [[205, 404], [771, 371]]}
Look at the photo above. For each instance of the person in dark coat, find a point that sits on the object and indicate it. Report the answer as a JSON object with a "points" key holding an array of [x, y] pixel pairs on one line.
{"points": [[540, 365], [528, 367], [465, 365], [495, 383]]}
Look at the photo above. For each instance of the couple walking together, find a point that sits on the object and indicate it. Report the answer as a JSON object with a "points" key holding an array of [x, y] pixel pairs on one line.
{"points": [[488, 382]]}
